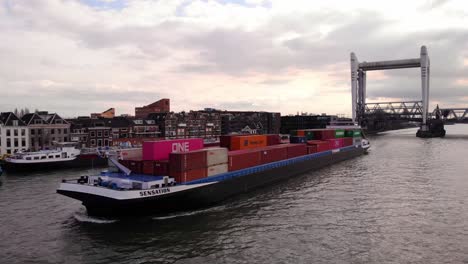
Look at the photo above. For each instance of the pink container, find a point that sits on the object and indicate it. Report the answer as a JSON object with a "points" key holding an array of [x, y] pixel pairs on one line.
{"points": [[160, 150], [335, 143]]}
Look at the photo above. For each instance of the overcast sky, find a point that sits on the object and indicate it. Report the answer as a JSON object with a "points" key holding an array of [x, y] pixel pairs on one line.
{"points": [[75, 57]]}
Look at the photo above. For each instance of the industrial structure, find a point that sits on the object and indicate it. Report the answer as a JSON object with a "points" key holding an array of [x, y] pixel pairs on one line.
{"points": [[361, 110]]}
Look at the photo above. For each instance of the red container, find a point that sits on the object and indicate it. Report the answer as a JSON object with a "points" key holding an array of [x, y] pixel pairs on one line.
{"points": [[225, 141], [296, 150], [182, 161], [273, 139], [161, 167], [273, 153], [312, 149], [210, 145], [335, 143], [188, 175], [148, 167], [136, 166], [348, 141], [320, 145], [242, 159], [324, 134], [160, 150]]}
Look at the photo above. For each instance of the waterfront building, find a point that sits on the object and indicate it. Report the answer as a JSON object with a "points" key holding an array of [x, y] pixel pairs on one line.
{"points": [[161, 106], [14, 134], [45, 129]]}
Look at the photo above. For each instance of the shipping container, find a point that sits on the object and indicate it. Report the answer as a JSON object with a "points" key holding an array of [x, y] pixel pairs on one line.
{"points": [[297, 139], [131, 154], [242, 159], [160, 150], [273, 153], [324, 134], [296, 150], [321, 145], [273, 139], [248, 142], [161, 167], [182, 161], [148, 167], [339, 133], [312, 149], [335, 143], [188, 175], [225, 141], [136, 166], [347, 141], [216, 156], [309, 134], [216, 169]]}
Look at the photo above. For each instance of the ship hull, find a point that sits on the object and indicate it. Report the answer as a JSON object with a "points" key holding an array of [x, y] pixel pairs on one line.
{"points": [[206, 194], [80, 162]]}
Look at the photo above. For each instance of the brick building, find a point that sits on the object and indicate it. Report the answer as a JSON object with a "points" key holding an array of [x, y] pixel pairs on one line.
{"points": [[109, 113], [45, 129], [161, 106]]}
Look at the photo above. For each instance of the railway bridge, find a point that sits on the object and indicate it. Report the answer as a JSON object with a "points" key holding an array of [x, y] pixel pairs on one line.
{"points": [[393, 115]]}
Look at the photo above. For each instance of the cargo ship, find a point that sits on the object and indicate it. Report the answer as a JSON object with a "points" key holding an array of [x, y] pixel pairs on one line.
{"points": [[179, 175]]}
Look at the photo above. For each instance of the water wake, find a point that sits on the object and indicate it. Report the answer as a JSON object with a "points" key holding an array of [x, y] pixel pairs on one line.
{"points": [[84, 218]]}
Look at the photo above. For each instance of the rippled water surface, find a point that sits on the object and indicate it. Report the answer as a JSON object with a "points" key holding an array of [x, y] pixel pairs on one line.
{"points": [[405, 202]]}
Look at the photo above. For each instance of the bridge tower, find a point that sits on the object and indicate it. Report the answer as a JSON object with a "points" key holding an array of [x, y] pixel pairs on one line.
{"points": [[358, 88]]}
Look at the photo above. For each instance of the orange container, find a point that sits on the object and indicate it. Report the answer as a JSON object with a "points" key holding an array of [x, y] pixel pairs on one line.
{"points": [[300, 133], [248, 142]]}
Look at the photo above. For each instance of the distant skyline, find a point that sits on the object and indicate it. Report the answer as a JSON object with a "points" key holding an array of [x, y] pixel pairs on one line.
{"points": [[76, 57]]}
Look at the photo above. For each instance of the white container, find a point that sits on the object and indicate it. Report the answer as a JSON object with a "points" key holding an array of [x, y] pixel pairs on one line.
{"points": [[131, 154], [216, 156], [216, 169]]}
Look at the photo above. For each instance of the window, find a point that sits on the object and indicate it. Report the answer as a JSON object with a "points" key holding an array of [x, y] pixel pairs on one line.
{"points": [[106, 142], [51, 157], [37, 122], [106, 133], [15, 132], [39, 131], [59, 131], [8, 133], [85, 139], [32, 142], [65, 131], [8, 151], [28, 158], [36, 158], [99, 142], [53, 139], [23, 142], [33, 131], [15, 122], [99, 133], [57, 156], [23, 132], [65, 139], [92, 134], [43, 157], [52, 131], [16, 142], [93, 142]]}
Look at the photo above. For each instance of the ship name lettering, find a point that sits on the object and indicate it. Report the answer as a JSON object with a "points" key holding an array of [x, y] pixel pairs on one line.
{"points": [[154, 192]]}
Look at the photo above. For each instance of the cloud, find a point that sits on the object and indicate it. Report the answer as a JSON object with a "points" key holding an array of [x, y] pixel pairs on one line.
{"points": [[82, 56]]}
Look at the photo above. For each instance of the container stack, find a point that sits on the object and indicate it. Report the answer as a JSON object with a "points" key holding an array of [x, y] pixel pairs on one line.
{"points": [[243, 142]]}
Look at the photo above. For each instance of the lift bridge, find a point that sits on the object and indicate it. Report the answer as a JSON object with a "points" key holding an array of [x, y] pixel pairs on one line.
{"points": [[391, 115]]}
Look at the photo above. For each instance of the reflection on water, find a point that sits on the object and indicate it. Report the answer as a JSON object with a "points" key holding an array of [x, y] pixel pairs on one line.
{"points": [[404, 202]]}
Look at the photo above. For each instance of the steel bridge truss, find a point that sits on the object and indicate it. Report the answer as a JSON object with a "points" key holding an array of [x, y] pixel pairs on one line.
{"points": [[411, 110], [455, 114]]}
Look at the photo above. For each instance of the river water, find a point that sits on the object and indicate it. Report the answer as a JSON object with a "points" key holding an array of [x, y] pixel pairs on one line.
{"points": [[405, 202]]}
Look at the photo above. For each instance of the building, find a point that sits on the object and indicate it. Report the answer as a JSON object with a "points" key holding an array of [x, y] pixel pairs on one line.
{"points": [[109, 113], [193, 124], [161, 106], [248, 122], [14, 134], [306, 122], [45, 129]]}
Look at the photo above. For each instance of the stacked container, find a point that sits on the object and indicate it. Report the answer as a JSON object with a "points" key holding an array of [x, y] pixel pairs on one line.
{"points": [[273, 153], [273, 139], [242, 159], [315, 146], [248, 142], [160, 150]]}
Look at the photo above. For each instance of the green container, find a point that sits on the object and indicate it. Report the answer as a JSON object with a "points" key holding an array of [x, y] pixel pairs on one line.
{"points": [[309, 135], [293, 133], [357, 133], [349, 133], [339, 133]]}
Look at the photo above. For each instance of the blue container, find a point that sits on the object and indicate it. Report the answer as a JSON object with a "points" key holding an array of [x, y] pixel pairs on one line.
{"points": [[295, 139]]}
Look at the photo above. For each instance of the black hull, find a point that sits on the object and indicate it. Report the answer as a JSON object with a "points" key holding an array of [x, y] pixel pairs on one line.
{"points": [[205, 195], [77, 163]]}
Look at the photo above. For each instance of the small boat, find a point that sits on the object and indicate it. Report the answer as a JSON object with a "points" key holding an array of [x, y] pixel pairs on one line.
{"points": [[64, 155]]}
